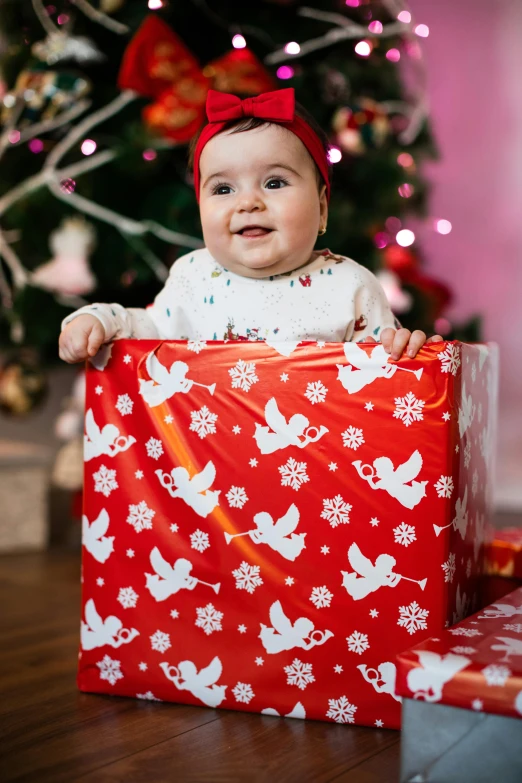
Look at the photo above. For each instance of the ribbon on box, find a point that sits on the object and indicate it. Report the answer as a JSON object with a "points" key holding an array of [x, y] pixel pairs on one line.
{"points": [[158, 65]]}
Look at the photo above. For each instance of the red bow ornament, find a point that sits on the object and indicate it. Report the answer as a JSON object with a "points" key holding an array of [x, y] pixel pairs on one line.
{"points": [[276, 106], [157, 64]]}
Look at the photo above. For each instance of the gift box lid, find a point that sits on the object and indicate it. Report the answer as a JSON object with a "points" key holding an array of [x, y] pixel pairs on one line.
{"points": [[503, 555], [476, 664]]}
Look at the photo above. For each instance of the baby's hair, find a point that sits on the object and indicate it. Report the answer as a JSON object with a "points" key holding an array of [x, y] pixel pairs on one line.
{"points": [[251, 123]]}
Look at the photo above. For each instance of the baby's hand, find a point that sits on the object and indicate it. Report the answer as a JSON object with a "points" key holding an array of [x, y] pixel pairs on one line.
{"points": [[81, 338], [395, 342]]}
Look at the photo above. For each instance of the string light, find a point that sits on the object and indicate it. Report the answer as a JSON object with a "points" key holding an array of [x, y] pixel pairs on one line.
{"points": [[375, 27], [422, 30], [405, 237], [150, 154], [14, 136], [353, 3], [238, 42], [334, 155], [68, 185], [393, 224], [393, 55], [405, 160], [406, 190], [154, 5], [36, 145], [443, 226], [88, 147], [62, 19], [404, 16], [381, 239], [292, 47], [442, 326], [363, 48], [284, 72]]}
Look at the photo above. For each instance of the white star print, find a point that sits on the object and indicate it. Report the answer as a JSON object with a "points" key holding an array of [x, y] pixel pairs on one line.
{"points": [[457, 449], [143, 667], [374, 613], [284, 377], [374, 521], [174, 528], [168, 419], [325, 550], [253, 462], [174, 614], [127, 358], [477, 704], [236, 429], [338, 669], [446, 416], [289, 580], [332, 466], [100, 581], [369, 406], [321, 343], [241, 628], [379, 724], [130, 552], [139, 474], [260, 661], [99, 390]]}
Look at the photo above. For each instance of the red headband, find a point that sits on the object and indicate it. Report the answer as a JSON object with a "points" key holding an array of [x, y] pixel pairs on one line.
{"points": [[277, 106]]}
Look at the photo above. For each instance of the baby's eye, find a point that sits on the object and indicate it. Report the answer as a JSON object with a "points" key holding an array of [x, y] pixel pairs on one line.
{"points": [[275, 183], [221, 190]]}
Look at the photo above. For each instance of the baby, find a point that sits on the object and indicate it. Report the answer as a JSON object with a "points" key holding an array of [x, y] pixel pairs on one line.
{"points": [[262, 180]]}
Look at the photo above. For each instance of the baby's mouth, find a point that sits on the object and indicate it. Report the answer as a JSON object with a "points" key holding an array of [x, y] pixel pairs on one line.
{"points": [[254, 231]]}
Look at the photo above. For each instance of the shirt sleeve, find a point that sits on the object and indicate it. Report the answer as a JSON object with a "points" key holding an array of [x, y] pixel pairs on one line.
{"points": [[372, 312]]}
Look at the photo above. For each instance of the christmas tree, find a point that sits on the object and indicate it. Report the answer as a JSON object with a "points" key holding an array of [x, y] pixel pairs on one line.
{"points": [[101, 97]]}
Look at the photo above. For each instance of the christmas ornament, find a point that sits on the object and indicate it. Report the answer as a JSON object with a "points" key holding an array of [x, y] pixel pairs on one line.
{"points": [[60, 46], [68, 272], [45, 93], [400, 301], [405, 264], [157, 64], [363, 125], [111, 6], [23, 384], [336, 87]]}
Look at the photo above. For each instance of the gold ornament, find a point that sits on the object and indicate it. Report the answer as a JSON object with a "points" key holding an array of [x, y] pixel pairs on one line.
{"points": [[111, 6]]}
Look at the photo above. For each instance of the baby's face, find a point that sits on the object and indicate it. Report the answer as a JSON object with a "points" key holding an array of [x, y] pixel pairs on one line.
{"points": [[259, 202]]}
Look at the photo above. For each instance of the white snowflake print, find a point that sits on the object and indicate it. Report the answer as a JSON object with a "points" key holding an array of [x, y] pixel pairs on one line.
{"points": [[321, 597], [299, 674], [336, 511], [464, 632], [463, 650], [247, 577], [236, 497], [127, 597], [293, 474], [408, 409], [243, 692], [316, 392], [149, 696], [473, 372], [243, 375], [140, 516], [404, 534], [199, 540], [352, 438], [127, 358], [196, 345], [209, 618], [516, 627], [449, 568], [467, 454], [203, 422], [154, 448], [444, 487], [474, 483], [340, 710], [160, 641], [105, 481], [358, 642], [412, 617], [124, 404], [496, 675], [110, 670], [477, 704], [450, 359]]}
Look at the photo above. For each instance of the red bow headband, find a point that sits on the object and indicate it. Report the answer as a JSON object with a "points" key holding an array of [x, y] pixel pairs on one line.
{"points": [[277, 106]]}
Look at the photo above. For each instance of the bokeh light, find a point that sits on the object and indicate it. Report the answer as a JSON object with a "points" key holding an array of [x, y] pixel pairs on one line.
{"points": [[405, 237], [363, 48], [238, 42], [285, 72], [393, 55], [154, 5], [13, 136], [36, 145], [150, 154], [404, 16], [292, 47], [334, 155], [422, 30], [443, 226], [406, 190], [88, 146], [405, 160], [393, 224], [442, 326], [375, 27], [68, 185]]}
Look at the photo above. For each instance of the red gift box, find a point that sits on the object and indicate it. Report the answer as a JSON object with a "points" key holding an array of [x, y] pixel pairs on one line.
{"points": [[267, 525], [503, 555]]}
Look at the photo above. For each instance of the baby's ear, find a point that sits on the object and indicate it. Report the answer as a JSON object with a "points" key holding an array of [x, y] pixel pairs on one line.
{"points": [[323, 201]]}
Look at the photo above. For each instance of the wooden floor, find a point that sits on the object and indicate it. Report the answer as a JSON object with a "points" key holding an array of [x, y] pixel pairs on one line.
{"points": [[49, 731]]}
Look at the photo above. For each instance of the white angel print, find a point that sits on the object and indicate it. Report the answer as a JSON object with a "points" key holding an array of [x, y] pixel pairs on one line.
{"points": [[285, 636], [94, 539], [366, 577], [500, 610], [278, 535], [194, 491], [202, 684], [105, 441], [509, 646], [284, 348], [383, 678], [97, 632], [101, 359], [368, 367], [460, 520], [466, 411], [298, 711], [165, 383], [168, 580], [427, 680], [397, 482], [281, 433]]}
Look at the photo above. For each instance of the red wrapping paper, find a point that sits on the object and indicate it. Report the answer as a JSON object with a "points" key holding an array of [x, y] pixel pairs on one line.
{"points": [[476, 665], [265, 532], [503, 555]]}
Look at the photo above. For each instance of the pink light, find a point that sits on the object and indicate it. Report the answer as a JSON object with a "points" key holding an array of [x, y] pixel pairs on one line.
{"points": [[150, 154], [405, 237], [50, 9], [68, 185], [334, 155], [88, 147], [393, 55], [404, 16], [285, 72], [62, 19], [381, 239], [393, 224], [442, 326], [422, 30], [238, 42], [154, 5], [353, 3], [406, 190], [292, 47], [405, 159], [375, 27], [413, 49], [363, 48], [14, 136], [36, 145], [443, 226]]}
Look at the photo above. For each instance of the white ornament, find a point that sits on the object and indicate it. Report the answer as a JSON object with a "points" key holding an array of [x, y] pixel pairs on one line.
{"points": [[68, 271]]}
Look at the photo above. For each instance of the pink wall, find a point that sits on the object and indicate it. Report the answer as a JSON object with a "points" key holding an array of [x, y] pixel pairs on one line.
{"points": [[474, 61]]}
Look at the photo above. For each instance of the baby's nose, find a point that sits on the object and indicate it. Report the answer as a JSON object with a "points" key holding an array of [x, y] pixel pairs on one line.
{"points": [[250, 202]]}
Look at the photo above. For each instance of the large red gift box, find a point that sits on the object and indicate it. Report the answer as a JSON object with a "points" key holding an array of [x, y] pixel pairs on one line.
{"points": [[267, 525]]}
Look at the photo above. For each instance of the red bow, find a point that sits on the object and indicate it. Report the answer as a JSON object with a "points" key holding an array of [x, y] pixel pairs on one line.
{"points": [[275, 106]]}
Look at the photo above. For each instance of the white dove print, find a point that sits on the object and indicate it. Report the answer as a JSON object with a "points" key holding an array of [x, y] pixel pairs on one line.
{"points": [[194, 491], [165, 383], [168, 580], [279, 434], [105, 441], [97, 632], [276, 534], [202, 684], [368, 368], [285, 636], [94, 539], [397, 482]]}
